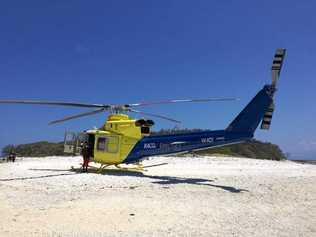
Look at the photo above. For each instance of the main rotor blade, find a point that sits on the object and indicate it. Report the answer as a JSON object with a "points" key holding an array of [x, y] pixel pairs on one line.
{"points": [[182, 101], [154, 115], [77, 116], [54, 103]]}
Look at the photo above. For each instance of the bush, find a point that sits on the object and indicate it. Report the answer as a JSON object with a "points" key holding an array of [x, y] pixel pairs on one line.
{"points": [[251, 149], [37, 149]]}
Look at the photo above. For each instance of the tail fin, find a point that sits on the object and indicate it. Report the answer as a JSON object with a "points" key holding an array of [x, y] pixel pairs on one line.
{"points": [[250, 117], [261, 107]]}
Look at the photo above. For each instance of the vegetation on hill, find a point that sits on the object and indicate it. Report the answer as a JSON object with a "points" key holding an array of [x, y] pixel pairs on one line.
{"points": [[251, 149], [37, 149]]}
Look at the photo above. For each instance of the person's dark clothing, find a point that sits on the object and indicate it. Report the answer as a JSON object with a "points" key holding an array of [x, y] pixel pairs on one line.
{"points": [[12, 156], [86, 157]]}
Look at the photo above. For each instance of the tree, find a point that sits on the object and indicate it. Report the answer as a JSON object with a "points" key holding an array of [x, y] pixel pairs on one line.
{"points": [[7, 149]]}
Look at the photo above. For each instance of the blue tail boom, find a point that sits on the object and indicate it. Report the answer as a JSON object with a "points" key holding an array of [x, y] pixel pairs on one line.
{"points": [[241, 129]]}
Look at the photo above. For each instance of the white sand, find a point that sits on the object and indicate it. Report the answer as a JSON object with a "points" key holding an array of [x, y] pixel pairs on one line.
{"points": [[204, 196]]}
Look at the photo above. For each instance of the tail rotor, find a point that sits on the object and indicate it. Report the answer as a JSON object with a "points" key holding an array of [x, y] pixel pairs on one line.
{"points": [[275, 69]]}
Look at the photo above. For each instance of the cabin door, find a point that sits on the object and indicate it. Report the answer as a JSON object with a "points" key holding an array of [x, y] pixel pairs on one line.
{"points": [[107, 149], [72, 142]]}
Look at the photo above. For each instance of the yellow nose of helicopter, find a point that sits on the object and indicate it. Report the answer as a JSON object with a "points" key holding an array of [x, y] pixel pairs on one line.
{"points": [[118, 137]]}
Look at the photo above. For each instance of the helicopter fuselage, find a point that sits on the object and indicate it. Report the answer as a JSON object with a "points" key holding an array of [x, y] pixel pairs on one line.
{"points": [[113, 148]]}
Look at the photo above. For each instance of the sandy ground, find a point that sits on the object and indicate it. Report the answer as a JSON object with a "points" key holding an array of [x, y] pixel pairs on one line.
{"points": [[200, 196]]}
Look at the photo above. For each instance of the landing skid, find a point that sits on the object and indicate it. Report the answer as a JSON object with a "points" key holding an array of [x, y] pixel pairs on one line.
{"points": [[138, 168], [104, 167]]}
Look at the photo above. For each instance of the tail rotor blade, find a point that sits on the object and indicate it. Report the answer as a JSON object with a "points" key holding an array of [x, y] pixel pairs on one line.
{"points": [[77, 116], [277, 65], [154, 115], [267, 118]]}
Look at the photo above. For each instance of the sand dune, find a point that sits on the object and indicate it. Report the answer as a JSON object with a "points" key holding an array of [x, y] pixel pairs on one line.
{"points": [[200, 196]]}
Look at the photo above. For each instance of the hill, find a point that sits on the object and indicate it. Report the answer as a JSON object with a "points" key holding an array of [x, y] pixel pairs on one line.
{"points": [[252, 149]]}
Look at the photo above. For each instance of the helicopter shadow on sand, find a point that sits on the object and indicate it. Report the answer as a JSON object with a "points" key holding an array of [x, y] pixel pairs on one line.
{"points": [[37, 177], [161, 180], [171, 180]]}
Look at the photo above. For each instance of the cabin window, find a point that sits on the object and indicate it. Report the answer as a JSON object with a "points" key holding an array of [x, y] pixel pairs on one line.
{"points": [[113, 144], [108, 144], [101, 144]]}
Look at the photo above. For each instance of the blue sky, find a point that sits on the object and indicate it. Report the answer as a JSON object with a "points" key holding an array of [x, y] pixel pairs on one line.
{"points": [[131, 51]]}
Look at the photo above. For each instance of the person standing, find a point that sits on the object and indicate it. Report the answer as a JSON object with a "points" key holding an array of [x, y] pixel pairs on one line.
{"points": [[12, 156], [85, 151]]}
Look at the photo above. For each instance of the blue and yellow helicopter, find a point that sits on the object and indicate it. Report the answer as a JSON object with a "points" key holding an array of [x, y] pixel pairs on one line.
{"points": [[124, 140]]}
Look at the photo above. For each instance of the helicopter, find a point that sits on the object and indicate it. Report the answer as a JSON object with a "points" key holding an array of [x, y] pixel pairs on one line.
{"points": [[125, 140]]}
